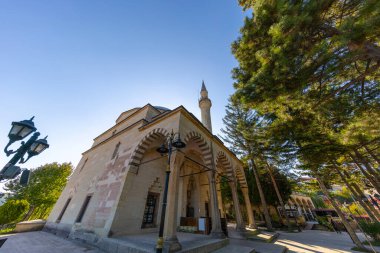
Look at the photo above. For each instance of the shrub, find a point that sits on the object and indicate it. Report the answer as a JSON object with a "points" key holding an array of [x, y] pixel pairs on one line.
{"points": [[12, 211], [322, 220], [372, 229]]}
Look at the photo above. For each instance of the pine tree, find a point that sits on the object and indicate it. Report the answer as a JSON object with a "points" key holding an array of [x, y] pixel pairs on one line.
{"points": [[313, 66]]}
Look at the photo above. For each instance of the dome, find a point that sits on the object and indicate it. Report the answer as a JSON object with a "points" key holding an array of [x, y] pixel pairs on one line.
{"points": [[161, 108]]}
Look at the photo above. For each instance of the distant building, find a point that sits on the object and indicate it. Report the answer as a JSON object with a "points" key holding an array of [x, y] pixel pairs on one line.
{"points": [[117, 187], [302, 205]]}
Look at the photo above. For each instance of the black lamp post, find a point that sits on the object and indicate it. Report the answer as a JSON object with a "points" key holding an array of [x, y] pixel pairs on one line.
{"points": [[33, 147], [178, 144]]}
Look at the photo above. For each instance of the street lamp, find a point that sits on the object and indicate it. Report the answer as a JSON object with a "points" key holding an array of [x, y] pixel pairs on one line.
{"points": [[33, 147], [178, 144]]}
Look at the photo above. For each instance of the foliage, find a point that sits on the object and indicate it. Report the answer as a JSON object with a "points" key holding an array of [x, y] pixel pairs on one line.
{"points": [[225, 190], [312, 69], [308, 187], [371, 228], [45, 186], [8, 229], [355, 209], [361, 249], [13, 210], [270, 195], [319, 202], [322, 220], [343, 195], [373, 243], [313, 66]]}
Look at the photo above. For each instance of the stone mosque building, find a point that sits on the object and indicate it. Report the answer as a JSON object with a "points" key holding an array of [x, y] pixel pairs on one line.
{"points": [[117, 187]]}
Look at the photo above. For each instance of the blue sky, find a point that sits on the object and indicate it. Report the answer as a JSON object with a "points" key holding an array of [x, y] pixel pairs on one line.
{"points": [[77, 64]]}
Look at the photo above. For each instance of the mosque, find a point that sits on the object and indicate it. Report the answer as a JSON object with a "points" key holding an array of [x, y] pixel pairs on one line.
{"points": [[117, 187]]}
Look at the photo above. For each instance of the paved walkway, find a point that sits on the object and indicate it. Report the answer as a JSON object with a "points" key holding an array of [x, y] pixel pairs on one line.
{"points": [[314, 241], [309, 241], [42, 242]]}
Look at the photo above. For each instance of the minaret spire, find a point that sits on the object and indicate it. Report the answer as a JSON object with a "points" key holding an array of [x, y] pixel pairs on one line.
{"points": [[205, 105], [203, 86]]}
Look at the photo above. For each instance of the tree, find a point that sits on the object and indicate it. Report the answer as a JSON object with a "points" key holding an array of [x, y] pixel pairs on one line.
{"points": [[45, 186], [244, 132], [12, 211], [240, 128], [313, 66], [267, 185]]}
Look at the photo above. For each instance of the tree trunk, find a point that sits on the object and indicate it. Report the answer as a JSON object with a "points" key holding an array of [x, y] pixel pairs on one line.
{"points": [[262, 197], [278, 194], [357, 196], [369, 204], [29, 213], [347, 225], [365, 173], [372, 154], [369, 168]]}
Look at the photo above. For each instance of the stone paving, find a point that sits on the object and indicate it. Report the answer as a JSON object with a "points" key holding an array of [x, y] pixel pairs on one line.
{"points": [[43, 242], [308, 241], [314, 241]]}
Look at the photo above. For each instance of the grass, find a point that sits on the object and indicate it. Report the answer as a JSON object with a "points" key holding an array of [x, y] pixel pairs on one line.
{"points": [[361, 249], [8, 230], [374, 243]]}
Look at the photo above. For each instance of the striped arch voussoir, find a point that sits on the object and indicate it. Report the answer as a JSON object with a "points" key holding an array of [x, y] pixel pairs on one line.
{"points": [[203, 146], [226, 164], [144, 144], [240, 175]]}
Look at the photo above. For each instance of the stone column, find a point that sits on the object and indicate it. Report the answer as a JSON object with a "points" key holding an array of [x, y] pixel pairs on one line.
{"points": [[251, 218], [216, 230], [239, 219], [170, 230]]}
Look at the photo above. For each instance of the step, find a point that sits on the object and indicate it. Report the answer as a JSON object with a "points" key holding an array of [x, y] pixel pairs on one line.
{"points": [[264, 237], [111, 245], [235, 248], [206, 246]]}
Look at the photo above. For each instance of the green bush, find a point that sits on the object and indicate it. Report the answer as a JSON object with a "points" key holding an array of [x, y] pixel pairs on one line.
{"points": [[13, 210], [322, 220], [372, 229]]}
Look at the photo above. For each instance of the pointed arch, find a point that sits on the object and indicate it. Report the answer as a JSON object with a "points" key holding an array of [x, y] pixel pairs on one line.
{"points": [[240, 176], [203, 146], [144, 144], [222, 161]]}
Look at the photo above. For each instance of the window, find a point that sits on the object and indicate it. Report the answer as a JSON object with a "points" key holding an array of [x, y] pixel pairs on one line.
{"points": [[83, 209], [116, 150], [63, 210], [150, 211]]}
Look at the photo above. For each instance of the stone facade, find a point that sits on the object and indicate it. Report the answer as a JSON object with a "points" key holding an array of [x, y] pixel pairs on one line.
{"points": [[117, 187]]}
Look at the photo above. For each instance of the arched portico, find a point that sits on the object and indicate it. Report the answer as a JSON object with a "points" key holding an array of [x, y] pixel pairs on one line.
{"points": [[192, 189], [205, 169]]}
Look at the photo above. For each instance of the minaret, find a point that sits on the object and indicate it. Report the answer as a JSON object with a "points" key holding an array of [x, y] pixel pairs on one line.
{"points": [[205, 105]]}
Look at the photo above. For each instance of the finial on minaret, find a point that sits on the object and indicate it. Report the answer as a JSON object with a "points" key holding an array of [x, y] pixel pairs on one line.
{"points": [[203, 86], [205, 105]]}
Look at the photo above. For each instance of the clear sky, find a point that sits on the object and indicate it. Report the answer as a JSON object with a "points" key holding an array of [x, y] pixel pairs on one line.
{"points": [[77, 64]]}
